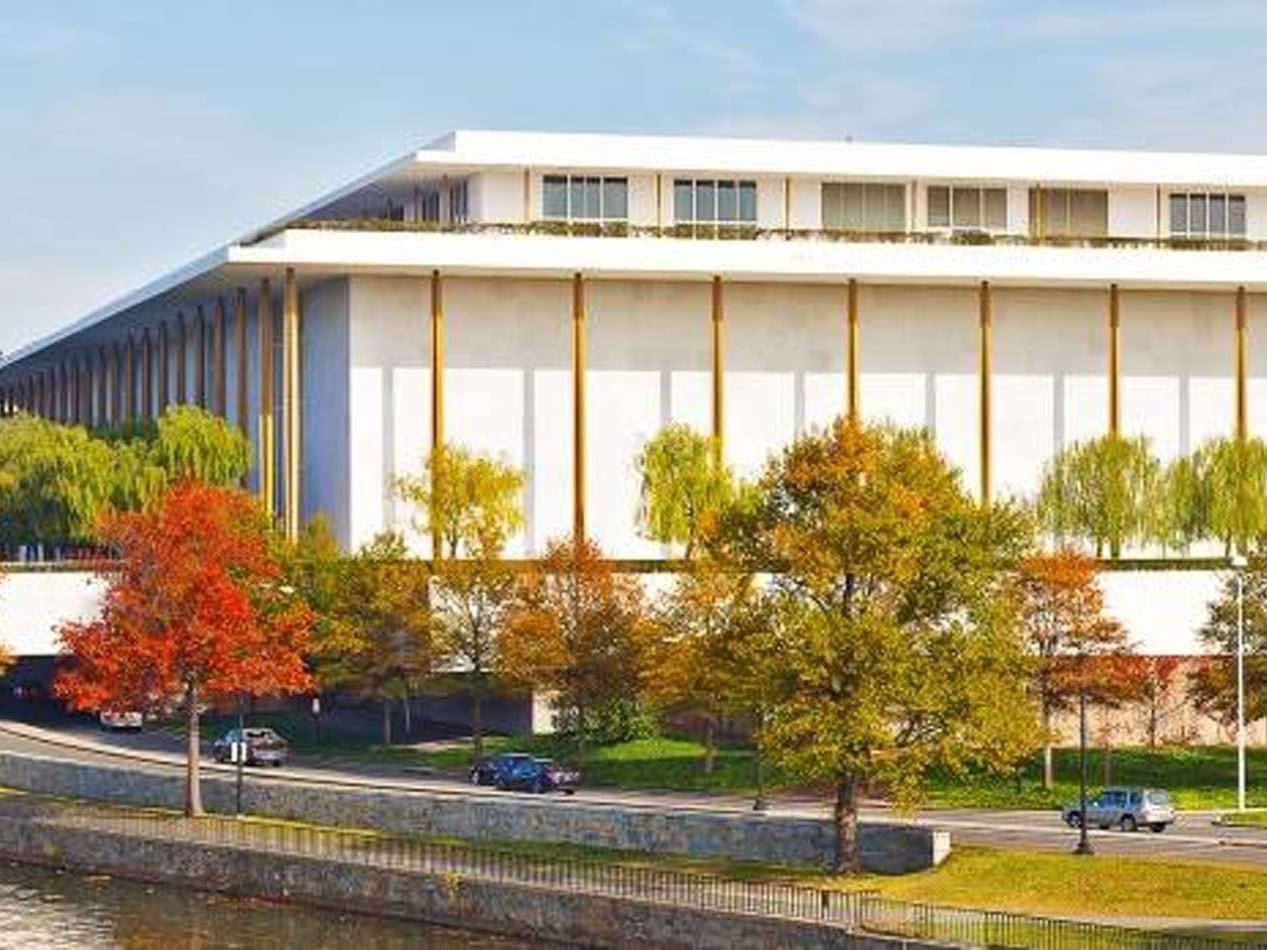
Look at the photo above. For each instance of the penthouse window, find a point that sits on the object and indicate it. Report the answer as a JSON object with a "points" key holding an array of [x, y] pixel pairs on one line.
{"points": [[967, 208], [864, 206], [1068, 212], [708, 200], [1207, 215], [584, 198]]}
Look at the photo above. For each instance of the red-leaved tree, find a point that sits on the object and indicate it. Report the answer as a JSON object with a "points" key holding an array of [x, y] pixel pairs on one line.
{"points": [[196, 612]]}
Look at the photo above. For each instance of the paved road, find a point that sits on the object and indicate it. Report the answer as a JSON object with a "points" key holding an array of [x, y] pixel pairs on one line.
{"points": [[1193, 837]]}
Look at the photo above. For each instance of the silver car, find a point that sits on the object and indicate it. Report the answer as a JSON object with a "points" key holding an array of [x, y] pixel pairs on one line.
{"points": [[1124, 808]]}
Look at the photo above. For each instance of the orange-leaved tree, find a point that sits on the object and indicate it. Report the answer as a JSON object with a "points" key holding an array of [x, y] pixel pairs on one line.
{"points": [[580, 631], [196, 612], [1062, 609]]}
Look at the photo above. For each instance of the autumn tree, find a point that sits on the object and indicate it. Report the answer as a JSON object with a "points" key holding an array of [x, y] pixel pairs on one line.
{"points": [[378, 639], [474, 502], [1213, 683], [700, 662], [1103, 491], [682, 479], [196, 611], [1062, 612], [1158, 678], [579, 630], [893, 646]]}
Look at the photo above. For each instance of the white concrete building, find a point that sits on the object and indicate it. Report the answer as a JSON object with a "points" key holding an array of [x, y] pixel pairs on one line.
{"points": [[555, 299]]}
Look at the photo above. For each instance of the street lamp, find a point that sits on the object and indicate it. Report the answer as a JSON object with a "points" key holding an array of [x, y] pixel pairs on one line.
{"points": [[1084, 842], [1239, 564]]}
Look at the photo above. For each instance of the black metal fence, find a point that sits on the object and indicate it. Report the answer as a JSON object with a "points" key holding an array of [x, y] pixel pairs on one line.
{"points": [[852, 910]]}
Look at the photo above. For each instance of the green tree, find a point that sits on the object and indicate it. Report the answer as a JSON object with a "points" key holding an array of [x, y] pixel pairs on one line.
{"points": [[1213, 682], [190, 443], [55, 482], [474, 502], [471, 500], [682, 480], [893, 646], [1105, 491], [377, 638], [700, 664], [580, 631], [1234, 472]]}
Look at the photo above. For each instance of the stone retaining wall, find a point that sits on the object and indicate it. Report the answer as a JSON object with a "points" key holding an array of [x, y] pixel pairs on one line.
{"points": [[886, 848], [511, 909]]}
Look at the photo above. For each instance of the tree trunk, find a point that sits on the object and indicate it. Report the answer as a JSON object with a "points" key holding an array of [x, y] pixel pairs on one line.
{"points": [[193, 787], [710, 745], [1049, 772], [580, 738], [409, 720], [848, 859], [387, 720]]}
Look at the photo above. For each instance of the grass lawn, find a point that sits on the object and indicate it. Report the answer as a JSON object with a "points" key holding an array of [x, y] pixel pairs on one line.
{"points": [[1068, 885], [1196, 776]]}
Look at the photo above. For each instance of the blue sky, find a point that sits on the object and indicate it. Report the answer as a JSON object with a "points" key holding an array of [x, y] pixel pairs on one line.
{"points": [[135, 136]]}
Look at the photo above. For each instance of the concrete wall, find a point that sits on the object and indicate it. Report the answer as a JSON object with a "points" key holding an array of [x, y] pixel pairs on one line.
{"points": [[889, 849], [33, 604], [512, 909]]}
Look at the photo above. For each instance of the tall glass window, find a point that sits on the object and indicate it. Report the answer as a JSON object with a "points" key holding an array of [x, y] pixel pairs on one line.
{"points": [[1068, 212], [967, 208], [706, 200], [1207, 215], [584, 198], [864, 206]]}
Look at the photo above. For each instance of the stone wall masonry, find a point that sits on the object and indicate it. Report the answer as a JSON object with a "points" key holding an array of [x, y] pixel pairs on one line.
{"points": [[771, 839], [584, 919]]}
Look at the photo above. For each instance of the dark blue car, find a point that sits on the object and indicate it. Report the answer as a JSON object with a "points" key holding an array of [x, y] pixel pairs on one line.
{"points": [[486, 770], [521, 772]]}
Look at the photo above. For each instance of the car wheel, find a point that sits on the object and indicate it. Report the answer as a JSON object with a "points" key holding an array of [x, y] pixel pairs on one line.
{"points": [[1128, 823], [569, 791], [1073, 820], [499, 785], [475, 778], [538, 787], [1158, 827]]}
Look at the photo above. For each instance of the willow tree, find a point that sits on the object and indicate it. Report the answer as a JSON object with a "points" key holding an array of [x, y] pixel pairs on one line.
{"points": [[1105, 491], [473, 503], [1233, 472], [682, 480], [55, 482], [893, 646]]}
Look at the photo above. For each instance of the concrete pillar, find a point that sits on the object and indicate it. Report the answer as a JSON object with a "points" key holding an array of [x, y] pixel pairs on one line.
{"points": [[291, 401]]}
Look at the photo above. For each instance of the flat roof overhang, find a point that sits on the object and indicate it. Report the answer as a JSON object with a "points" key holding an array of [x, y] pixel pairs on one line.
{"points": [[318, 255]]}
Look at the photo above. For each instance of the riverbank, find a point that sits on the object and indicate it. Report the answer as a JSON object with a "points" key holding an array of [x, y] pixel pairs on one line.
{"points": [[570, 901], [602, 900]]}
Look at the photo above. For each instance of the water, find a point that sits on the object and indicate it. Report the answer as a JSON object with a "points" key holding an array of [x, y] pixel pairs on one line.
{"points": [[42, 909]]}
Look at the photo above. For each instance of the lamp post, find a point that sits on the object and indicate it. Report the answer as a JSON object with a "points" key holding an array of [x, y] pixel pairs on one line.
{"points": [[239, 751], [1084, 842], [1239, 564]]}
